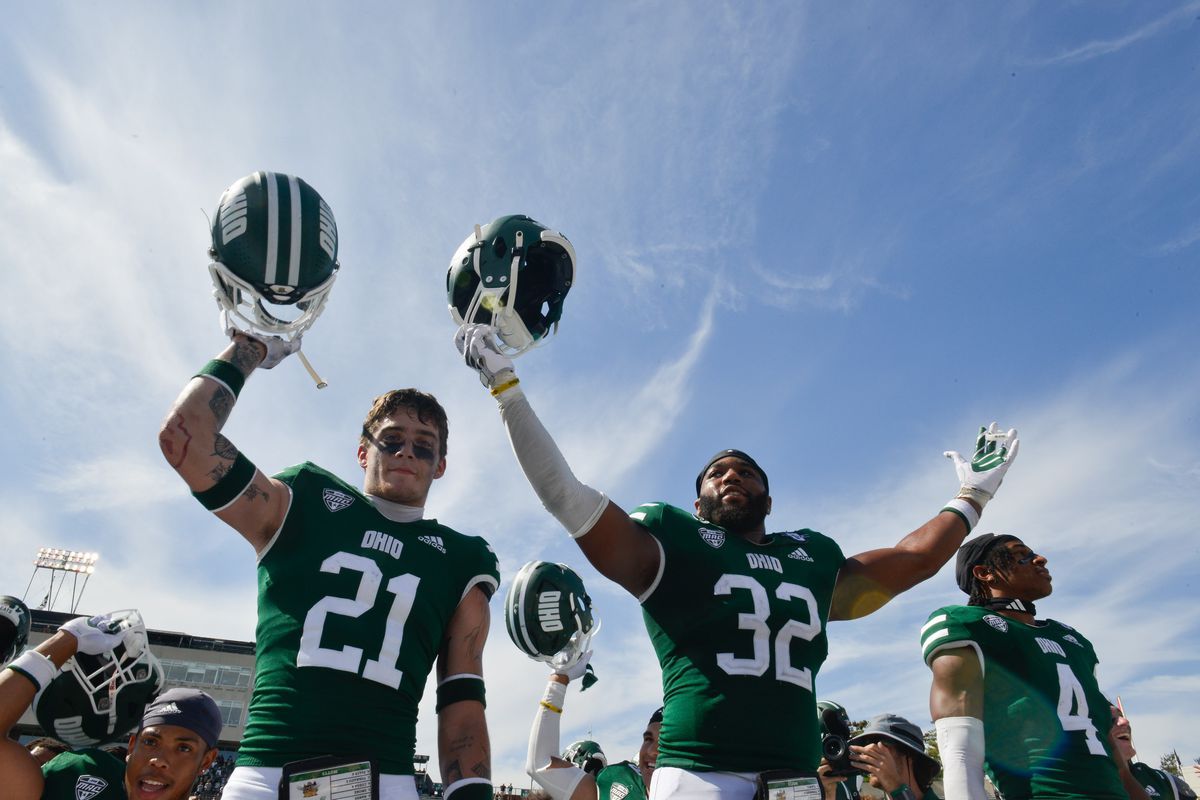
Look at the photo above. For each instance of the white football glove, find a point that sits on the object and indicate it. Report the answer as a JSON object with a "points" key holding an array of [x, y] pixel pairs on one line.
{"points": [[277, 348], [104, 632], [980, 477], [476, 342], [571, 662]]}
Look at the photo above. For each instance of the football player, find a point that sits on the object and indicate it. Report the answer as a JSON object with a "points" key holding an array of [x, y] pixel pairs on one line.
{"points": [[359, 593], [737, 616], [175, 741], [1155, 782], [569, 777], [1017, 693]]}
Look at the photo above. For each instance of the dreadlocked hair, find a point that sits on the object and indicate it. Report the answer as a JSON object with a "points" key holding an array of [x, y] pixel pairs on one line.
{"points": [[997, 559]]}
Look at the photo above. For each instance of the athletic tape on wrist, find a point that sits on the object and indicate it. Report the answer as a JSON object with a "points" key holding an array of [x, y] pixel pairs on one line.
{"points": [[964, 510], [36, 667], [225, 374], [469, 789], [973, 493], [230, 487], [457, 688]]}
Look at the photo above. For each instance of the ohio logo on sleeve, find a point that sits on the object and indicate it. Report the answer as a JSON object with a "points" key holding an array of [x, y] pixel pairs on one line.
{"points": [[88, 786]]}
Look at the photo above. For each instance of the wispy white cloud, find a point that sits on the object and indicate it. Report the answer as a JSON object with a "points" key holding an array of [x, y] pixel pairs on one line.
{"points": [[1104, 47]]}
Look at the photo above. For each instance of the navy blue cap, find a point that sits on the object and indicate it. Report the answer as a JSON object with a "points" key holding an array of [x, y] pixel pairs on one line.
{"points": [[187, 708]]}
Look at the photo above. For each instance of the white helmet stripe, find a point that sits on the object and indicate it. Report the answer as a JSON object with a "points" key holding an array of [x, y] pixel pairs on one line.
{"points": [[268, 179], [294, 255]]}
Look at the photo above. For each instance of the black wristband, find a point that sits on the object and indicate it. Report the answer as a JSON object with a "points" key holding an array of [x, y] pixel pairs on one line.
{"points": [[457, 689], [230, 487], [225, 374]]}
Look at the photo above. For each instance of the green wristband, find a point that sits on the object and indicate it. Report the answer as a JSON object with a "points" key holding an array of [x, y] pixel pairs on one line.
{"points": [[225, 374], [230, 487]]}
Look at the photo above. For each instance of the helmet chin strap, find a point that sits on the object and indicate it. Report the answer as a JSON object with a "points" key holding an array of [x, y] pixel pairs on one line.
{"points": [[1011, 604]]}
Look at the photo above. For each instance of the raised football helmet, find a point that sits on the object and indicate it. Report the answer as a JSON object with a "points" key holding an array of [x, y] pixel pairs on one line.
{"points": [[586, 755], [274, 240], [547, 610], [513, 273], [14, 627], [101, 698]]}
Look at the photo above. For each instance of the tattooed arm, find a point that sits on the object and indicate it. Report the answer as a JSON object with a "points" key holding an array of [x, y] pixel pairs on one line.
{"points": [[191, 441], [463, 747]]}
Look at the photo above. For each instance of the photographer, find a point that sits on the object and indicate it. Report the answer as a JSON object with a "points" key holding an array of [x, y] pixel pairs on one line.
{"points": [[891, 752]]}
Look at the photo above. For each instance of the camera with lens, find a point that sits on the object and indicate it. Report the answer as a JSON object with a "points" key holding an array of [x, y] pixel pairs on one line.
{"points": [[835, 736]]}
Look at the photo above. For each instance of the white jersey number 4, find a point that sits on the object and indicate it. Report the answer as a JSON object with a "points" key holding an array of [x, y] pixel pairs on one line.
{"points": [[1073, 709]]}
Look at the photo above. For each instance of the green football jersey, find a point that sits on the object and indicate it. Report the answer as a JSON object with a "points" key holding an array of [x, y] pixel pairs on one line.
{"points": [[739, 629], [352, 609], [1156, 782], [1045, 720], [90, 774], [622, 781]]}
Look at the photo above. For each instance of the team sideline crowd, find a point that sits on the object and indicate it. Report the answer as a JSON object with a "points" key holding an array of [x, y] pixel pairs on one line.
{"points": [[361, 598]]}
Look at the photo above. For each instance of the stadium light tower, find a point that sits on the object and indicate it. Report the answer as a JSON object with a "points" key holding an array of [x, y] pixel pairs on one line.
{"points": [[61, 563]]}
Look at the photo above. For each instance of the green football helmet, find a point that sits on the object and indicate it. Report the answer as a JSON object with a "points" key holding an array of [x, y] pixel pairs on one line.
{"points": [[14, 627], [586, 755], [100, 698], [547, 610], [274, 241], [513, 273], [833, 717]]}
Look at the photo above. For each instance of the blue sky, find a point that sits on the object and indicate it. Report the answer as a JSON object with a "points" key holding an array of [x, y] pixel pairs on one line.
{"points": [[838, 236]]}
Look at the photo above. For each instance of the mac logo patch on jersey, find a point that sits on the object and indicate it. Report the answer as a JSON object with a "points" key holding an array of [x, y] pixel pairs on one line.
{"points": [[1071, 638], [999, 623], [799, 537], [335, 500], [88, 786], [617, 792], [711, 537]]}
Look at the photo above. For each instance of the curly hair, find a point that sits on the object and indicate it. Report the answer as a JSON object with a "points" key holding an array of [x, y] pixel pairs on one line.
{"points": [[425, 406]]}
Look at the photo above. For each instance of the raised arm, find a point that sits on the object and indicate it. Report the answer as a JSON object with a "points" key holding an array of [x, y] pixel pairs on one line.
{"points": [[561, 779], [30, 673], [464, 751], [869, 580], [220, 477], [956, 707], [617, 547]]}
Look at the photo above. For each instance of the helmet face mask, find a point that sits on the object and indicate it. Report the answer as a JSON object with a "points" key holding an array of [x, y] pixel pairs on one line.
{"points": [[101, 698], [547, 610], [513, 273], [587, 755], [274, 245]]}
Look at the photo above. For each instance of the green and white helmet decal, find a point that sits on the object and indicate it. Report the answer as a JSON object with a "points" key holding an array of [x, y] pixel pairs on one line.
{"points": [[274, 241], [547, 609], [14, 627], [513, 273], [101, 698], [587, 755]]}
